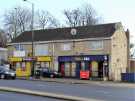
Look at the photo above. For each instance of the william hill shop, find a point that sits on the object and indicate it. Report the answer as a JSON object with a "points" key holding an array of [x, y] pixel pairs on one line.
{"points": [[95, 65], [23, 65]]}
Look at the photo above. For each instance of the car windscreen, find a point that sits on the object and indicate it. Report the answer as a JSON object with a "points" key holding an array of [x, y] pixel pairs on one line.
{"points": [[2, 69]]}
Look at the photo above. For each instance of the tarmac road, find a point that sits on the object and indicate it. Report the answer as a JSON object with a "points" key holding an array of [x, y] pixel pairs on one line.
{"points": [[8, 96], [106, 93]]}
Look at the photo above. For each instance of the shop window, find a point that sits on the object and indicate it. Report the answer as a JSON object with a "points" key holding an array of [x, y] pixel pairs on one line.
{"points": [[43, 64], [23, 66], [38, 65], [18, 65], [46, 64], [96, 45], [83, 66]]}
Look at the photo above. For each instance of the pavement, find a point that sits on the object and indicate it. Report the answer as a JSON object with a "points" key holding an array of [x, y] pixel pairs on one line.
{"points": [[86, 82]]}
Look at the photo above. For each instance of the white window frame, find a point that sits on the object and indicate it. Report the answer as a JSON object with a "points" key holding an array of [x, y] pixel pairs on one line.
{"points": [[94, 42], [41, 49]]}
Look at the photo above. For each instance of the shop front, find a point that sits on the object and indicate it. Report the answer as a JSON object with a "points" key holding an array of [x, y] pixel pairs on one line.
{"points": [[22, 66], [43, 62], [71, 66]]}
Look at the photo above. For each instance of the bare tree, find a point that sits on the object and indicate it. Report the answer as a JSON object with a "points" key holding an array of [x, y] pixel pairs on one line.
{"points": [[85, 15], [45, 19], [17, 21], [54, 22], [73, 17], [24, 19], [89, 15], [3, 38], [9, 23]]}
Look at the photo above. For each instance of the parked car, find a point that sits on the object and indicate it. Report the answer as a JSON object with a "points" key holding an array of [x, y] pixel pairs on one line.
{"points": [[7, 73], [46, 72]]}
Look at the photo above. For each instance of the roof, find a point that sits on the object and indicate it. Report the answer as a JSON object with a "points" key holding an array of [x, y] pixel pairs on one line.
{"points": [[92, 31]]}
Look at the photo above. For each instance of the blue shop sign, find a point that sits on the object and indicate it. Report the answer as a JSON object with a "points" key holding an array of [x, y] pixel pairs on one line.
{"points": [[83, 58], [65, 58]]}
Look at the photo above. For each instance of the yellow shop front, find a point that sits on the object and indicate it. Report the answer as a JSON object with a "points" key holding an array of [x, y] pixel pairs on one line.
{"points": [[43, 62], [22, 66]]}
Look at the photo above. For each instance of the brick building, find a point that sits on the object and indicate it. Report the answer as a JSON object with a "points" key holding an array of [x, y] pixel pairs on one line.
{"points": [[132, 65], [100, 49]]}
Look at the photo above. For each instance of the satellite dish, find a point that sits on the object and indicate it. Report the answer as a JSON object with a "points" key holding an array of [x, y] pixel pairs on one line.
{"points": [[73, 31]]}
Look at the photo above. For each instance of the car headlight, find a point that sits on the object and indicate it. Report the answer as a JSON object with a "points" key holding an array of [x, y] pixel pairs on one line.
{"points": [[13, 74], [55, 72], [6, 72]]}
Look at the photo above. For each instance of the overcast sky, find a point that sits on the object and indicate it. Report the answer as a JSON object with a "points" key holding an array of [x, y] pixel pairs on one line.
{"points": [[110, 10]]}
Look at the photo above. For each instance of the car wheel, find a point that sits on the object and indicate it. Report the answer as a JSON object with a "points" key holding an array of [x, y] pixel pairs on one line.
{"points": [[52, 76], [2, 76], [13, 78]]}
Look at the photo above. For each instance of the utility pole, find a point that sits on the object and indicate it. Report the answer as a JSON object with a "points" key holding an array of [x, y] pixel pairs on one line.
{"points": [[32, 38], [15, 23]]}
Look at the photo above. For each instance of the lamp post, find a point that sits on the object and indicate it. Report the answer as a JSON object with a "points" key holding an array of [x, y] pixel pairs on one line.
{"points": [[15, 23], [32, 37], [105, 68], [73, 33]]}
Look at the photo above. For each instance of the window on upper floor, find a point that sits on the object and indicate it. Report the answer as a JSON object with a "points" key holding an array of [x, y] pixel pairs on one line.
{"points": [[19, 53], [66, 46], [96, 45], [19, 47], [41, 50]]}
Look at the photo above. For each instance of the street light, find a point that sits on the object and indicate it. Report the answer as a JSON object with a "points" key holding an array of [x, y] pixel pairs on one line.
{"points": [[32, 23], [15, 23], [105, 68], [73, 33]]}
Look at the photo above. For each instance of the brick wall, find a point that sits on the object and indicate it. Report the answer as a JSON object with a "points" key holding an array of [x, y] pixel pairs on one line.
{"points": [[118, 54]]}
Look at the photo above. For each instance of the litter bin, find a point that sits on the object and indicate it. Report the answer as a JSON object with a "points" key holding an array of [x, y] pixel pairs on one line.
{"points": [[37, 74]]}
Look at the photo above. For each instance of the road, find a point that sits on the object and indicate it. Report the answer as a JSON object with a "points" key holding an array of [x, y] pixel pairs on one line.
{"points": [[99, 92], [8, 96]]}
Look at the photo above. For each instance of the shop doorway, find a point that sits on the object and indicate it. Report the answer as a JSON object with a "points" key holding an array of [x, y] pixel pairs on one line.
{"points": [[94, 67], [97, 69], [67, 69], [62, 68], [78, 68], [100, 69]]}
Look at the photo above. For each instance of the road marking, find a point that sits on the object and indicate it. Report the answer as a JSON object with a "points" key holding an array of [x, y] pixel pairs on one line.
{"points": [[40, 85], [101, 91]]}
